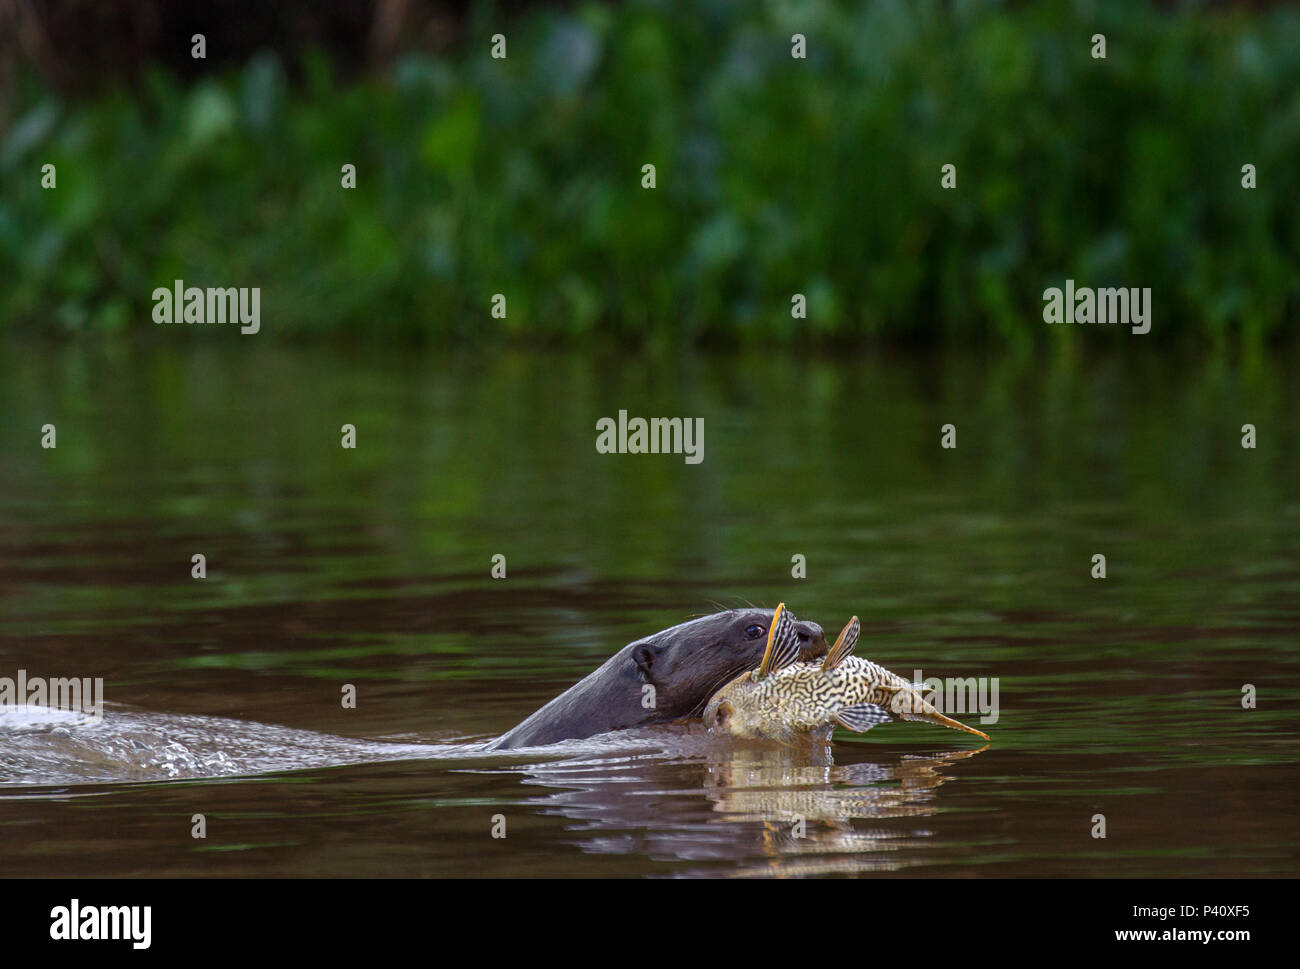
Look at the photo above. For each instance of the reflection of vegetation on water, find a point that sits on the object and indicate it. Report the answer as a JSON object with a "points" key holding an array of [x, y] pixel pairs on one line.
{"points": [[775, 176], [243, 449], [238, 454]]}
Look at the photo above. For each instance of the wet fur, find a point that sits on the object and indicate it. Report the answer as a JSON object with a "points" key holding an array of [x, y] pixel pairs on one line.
{"points": [[686, 664]]}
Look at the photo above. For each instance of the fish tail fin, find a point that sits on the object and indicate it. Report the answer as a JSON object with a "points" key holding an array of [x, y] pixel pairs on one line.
{"points": [[915, 708]]}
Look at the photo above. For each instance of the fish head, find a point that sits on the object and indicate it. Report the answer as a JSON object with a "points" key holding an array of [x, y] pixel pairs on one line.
{"points": [[720, 714], [738, 710]]}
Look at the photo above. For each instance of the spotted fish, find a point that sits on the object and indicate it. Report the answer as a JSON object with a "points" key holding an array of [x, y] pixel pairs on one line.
{"points": [[785, 698]]}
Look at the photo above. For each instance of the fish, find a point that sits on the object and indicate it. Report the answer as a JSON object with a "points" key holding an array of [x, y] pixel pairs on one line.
{"points": [[785, 699]]}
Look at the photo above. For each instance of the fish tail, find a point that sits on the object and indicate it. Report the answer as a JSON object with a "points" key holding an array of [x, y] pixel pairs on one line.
{"points": [[918, 709]]}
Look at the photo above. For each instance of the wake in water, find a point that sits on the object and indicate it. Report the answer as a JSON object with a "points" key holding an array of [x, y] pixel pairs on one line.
{"points": [[48, 746], [733, 800], [52, 747]]}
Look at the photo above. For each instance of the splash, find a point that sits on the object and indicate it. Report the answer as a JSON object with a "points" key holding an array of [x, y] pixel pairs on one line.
{"points": [[47, 746]]}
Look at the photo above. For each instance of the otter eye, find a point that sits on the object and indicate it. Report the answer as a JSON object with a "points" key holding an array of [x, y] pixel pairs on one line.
{"points": [[754, 631]]}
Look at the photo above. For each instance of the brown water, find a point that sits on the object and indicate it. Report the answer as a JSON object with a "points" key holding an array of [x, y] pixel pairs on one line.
{"points": [[328, 566]]}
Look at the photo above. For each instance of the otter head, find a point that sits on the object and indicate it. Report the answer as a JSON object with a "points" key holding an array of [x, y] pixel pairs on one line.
{"points": [[688, 663]]}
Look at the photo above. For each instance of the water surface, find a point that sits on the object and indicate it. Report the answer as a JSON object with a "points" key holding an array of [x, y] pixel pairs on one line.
{"points": [[371, 566]]}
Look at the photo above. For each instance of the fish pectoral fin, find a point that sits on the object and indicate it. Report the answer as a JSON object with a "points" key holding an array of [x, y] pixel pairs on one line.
{"points": [[844, 644], [862, 717], [782, 644]]}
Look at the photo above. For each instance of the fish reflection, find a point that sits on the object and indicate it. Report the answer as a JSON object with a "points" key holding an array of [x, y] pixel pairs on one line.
{"points": [[804, 807], [764, 808], [780, 784]]}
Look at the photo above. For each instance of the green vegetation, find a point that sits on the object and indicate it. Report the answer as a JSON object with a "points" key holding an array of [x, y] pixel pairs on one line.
{"points": [[775, 176]]}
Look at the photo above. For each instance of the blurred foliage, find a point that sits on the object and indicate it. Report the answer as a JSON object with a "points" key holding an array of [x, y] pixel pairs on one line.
{"points": [[775, 176]]}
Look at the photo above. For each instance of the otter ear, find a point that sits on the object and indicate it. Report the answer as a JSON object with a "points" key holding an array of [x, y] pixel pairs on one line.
{"points": [[644, 655]]}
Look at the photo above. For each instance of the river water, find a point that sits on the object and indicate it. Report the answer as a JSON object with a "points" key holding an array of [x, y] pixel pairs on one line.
{"points": [[1119, 697]]}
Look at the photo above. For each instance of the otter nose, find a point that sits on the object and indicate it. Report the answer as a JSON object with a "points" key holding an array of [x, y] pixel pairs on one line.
{"points": [[812, 641]]}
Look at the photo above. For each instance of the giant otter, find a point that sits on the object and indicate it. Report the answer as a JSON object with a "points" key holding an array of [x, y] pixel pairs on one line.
{"points": [[684, 664]]}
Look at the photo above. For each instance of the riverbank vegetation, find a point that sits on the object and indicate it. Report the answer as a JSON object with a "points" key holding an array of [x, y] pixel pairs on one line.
{"points": [[774, 176]]}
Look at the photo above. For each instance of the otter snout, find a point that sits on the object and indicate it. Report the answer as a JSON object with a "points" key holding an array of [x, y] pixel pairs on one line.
{"points": [[812, 641]]}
